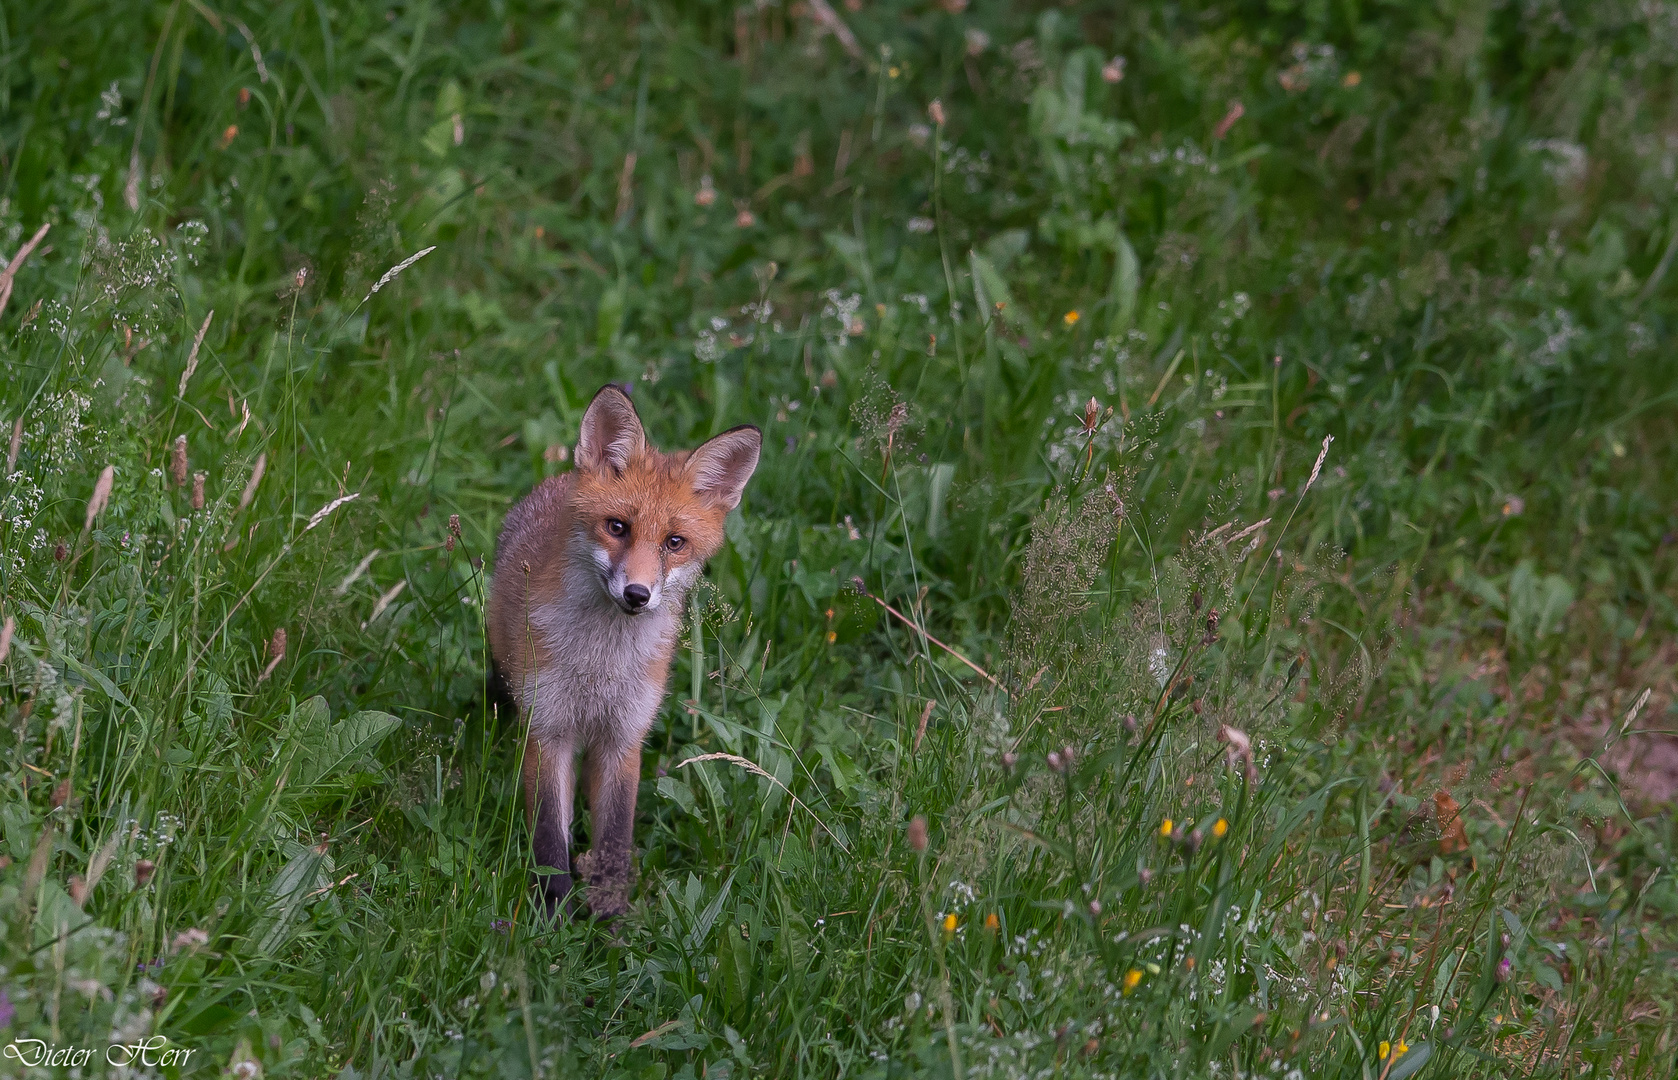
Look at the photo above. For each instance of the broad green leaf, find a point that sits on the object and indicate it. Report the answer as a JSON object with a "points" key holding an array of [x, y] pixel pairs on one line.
{"points": [[990, 289], [343, 745], [1411, 1063], [679, 793], [1126, 281], [300, 881], [708, 917]]}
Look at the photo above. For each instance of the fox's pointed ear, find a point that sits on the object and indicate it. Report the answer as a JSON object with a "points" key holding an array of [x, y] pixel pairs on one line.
{"points": [[611, 432], [721, 467]]}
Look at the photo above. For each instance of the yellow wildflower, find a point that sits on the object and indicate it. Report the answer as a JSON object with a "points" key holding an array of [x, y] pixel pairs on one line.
{"points": [[1385, 1049], [1131, 979], [950, 923], [1071, 318], [992, 923], [1220, 827], [1165, 827]]}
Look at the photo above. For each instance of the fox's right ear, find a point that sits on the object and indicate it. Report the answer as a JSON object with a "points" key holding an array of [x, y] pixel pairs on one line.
{"points": [[611, 432]]}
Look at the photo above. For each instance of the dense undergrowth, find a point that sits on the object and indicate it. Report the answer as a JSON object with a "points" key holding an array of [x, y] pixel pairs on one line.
{"points": [[1218, 477]]}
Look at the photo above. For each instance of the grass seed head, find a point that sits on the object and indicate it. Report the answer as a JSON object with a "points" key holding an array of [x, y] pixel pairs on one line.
{"points": [[257, 470], [101, 495], [177, 461], [143, 871], [1317, 469], [198, 490], [391, 274], [189, 939], [917, 832]]}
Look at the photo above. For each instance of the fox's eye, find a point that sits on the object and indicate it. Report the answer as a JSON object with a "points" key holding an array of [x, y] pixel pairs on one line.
{"points": [[616, 527], [675, 543]]}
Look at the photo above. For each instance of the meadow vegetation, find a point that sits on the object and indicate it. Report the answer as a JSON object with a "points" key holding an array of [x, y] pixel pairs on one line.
{"points": [[1206, 607]]}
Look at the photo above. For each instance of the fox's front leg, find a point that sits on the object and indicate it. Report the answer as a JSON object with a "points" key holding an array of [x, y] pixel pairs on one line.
{"points": [[549, 800], [613, 777]]}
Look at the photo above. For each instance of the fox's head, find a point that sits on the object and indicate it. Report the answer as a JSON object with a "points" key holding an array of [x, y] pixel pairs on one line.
{"points": [[646, 521]]}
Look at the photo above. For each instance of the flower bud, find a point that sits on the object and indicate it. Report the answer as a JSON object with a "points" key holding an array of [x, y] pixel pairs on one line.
{"points": [[917, 832]]}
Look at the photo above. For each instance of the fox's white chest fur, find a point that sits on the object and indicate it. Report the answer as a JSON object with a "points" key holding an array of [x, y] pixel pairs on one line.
{"points": [[598, 687]]}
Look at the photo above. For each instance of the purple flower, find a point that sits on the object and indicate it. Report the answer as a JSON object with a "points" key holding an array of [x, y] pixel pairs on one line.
{"points": [[500, 926], [1505, 968], [7, 1011]]}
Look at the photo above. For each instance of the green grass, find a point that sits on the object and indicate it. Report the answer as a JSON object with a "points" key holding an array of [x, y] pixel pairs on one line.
{"points": [[1442, 235]]}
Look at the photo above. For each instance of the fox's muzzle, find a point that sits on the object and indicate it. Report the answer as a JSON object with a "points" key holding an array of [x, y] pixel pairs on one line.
{"points": [[632, 596]]}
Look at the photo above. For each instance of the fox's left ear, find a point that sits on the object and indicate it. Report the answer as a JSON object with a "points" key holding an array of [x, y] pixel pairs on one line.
{"points": [[721, 467]]}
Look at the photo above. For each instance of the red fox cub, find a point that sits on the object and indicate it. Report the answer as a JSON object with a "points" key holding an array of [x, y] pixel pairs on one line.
{"points": [[590, 576]]}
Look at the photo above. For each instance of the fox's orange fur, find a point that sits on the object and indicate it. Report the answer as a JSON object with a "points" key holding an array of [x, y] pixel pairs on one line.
{"points": [[590, 576]]}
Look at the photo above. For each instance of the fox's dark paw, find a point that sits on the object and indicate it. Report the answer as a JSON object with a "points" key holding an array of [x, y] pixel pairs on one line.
{"points": [[557, 898], [610, 882]]}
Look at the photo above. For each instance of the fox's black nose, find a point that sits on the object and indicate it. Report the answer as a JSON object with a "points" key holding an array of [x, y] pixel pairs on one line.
{"points": [[636, 596]]}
